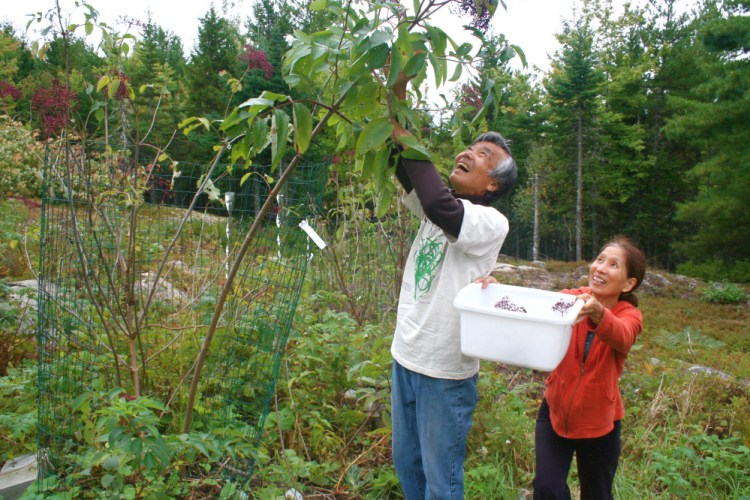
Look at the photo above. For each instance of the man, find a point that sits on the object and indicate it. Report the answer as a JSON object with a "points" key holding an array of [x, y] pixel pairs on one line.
{"points": [[434, 386]]}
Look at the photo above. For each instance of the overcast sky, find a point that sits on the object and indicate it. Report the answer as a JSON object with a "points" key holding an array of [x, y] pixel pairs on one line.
{"points": [[531, 24]]}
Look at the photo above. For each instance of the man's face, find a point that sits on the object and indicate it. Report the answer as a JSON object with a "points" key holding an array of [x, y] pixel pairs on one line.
{"points": [[472, 167]]}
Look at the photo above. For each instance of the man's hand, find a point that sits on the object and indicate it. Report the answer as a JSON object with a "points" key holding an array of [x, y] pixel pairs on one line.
{"points": [[399, 88], [485, 282], [399, 132]]}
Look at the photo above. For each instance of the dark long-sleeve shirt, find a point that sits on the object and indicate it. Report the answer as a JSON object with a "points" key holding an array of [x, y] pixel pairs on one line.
{"points": [[440, 204]]}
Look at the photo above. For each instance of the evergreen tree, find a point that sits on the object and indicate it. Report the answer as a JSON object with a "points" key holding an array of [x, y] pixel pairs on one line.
{"points": [[214, 59], [267, 33], [714, 118], [622, 185], [573, 90], [155, 70], [8, 56]]}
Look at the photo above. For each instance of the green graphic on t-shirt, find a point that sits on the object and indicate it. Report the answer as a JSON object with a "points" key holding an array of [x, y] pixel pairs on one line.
{"points": [[425, 266]]}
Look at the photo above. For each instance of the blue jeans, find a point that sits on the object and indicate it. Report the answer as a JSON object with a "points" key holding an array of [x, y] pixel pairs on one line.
{"points": [[431, 418]]}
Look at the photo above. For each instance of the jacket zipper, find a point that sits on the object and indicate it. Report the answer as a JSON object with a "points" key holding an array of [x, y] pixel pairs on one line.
{"points": [[586, 347]]}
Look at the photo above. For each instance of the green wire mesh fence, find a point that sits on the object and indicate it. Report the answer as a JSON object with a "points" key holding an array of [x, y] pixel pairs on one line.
{"points": [[363, 263], [129, 281]]}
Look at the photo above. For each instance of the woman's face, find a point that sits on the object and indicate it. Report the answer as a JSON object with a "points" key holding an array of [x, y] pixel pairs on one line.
{"points": [[608, 275]]}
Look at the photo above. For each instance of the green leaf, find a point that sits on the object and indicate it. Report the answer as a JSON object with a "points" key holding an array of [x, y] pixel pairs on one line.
{"points": [[521, 54], [257, 103], [113, 88], [416, 63], [279, 134], [103, 82], [439, 68], [302, 127], [107, 480], [415, 150], [260, 135], [204, 121], [438, 40], [111, 462], [374, 135], [274, 96], [382, 174], [457, 73], [377, 56], [464, 50], [318, 5], [193, 122], [385, 197]]}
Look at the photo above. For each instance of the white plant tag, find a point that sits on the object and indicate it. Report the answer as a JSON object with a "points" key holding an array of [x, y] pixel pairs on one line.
{"points": [[312, 234]]}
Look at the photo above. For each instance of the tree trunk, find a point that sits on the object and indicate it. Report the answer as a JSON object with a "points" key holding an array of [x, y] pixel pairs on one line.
{"points": [[535, 244], [579, 187]]}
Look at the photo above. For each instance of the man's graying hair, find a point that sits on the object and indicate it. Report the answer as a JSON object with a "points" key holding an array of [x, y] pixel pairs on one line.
{"points": [[505, 172]]}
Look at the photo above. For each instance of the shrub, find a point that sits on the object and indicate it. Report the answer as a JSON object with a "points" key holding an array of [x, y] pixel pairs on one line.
{"points": [[18, 411], [724, 293], [20, 160], [121, 451], [738, 272]]}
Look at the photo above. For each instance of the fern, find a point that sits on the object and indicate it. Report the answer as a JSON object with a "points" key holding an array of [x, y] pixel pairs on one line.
{"points": [[689, 337]]}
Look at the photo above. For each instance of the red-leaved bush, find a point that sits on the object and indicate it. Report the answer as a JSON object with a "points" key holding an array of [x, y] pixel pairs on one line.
{"points": [[256, 59], [54, 104], [9, 90]]}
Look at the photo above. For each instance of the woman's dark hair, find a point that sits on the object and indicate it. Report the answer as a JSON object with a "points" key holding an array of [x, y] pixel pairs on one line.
{"points": [[505, 172], [635, 262]]}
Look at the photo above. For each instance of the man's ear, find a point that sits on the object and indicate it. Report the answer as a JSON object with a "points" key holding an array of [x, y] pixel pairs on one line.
{"points": [[493, 186]]}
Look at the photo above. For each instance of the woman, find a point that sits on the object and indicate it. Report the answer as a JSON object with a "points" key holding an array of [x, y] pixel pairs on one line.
{"points": [[581, 410]]}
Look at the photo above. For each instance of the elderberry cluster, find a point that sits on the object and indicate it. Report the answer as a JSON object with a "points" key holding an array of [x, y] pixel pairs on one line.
{"points": [[480, 11], [508, 305], [562, 306]]}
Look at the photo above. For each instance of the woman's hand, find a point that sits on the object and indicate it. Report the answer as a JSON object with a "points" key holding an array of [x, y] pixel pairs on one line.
{"points": [[486, 281], [592, 309]]}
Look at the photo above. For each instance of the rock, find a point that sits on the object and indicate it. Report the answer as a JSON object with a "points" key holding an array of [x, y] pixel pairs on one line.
{"points": [[292, 494], [16, 475], [165, 291], [708, 371], [33, 284]]}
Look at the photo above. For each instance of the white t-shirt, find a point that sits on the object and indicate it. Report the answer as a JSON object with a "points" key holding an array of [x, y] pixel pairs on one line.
{"points": [[427, 339]]}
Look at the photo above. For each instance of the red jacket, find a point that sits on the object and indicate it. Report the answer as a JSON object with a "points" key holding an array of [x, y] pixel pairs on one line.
{"points": [[584, 400]]}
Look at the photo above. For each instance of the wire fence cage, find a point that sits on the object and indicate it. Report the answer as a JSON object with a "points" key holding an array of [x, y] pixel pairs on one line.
{"points": [[132, 264], [363, 263]]}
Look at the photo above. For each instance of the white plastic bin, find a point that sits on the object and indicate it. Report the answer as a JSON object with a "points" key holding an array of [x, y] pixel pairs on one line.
{"points": [[537, 338]]}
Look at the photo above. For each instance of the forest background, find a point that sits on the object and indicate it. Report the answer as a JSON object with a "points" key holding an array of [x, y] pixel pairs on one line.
{"points": [[638, 128]]}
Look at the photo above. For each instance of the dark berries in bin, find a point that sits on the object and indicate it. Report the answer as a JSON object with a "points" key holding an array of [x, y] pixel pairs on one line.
{"points": [[562, 306], [506, 304]]}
